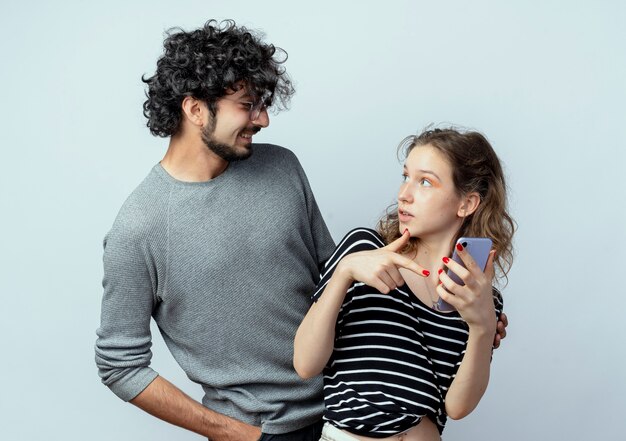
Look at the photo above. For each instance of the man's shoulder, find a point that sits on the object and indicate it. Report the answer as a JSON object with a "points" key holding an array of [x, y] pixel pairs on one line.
{"points": [[273, 153], [272, 149], [145, 208], [274, 162]]}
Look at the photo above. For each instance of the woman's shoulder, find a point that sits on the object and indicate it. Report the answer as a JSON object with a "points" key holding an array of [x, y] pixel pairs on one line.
{"points": [[362, 236], [358, 239]]}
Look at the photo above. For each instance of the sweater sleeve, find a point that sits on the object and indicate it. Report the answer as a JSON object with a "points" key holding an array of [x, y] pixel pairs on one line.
{"points": [[124, 339], [324, 243], [322, 239]]}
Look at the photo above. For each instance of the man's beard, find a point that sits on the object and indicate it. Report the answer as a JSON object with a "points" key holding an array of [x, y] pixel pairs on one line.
{"points": [[227, 152]]}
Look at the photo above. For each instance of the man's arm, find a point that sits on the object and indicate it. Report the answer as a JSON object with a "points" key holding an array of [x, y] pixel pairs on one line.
{"points": [[124, 340], [165, 401]]}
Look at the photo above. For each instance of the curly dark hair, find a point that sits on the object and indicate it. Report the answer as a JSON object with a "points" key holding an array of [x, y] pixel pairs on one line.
{"points": [[205, 64]]}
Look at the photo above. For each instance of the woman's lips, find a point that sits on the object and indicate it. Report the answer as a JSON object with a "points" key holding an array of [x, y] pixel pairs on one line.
{"points": [[404, 216]]}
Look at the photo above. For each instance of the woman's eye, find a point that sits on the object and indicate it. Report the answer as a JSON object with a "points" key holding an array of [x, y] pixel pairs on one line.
{"points": [[425, 183], [405, 178], [247, 105]]}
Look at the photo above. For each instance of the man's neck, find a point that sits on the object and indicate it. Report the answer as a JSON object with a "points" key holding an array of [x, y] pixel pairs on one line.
{"points": [[189, 160]]}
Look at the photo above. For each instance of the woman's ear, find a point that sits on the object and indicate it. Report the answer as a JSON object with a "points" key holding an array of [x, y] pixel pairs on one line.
{"points": [[469, 204]]}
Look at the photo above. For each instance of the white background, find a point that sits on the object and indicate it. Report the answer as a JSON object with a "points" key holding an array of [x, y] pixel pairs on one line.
{"points": [[543, 80]]}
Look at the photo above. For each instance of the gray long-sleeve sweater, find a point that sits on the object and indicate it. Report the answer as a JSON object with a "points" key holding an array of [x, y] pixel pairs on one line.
{"points": [[226, 269]]}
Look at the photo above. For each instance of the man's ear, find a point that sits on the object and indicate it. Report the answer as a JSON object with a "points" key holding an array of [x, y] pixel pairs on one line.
{"points": [[469, 204], [194, 111]]}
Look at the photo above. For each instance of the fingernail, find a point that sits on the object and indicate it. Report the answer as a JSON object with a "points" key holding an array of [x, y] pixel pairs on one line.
{"points": [[405, 230], [439, 283], [426, 273], [459, 247], [439, 271], [445, 260]]}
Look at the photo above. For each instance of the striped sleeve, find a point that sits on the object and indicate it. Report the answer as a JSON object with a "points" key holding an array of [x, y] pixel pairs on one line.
{"points": [[359, 239], [498, 302]]}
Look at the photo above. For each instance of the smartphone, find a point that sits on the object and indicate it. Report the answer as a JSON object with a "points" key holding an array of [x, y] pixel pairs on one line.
{"points": [[479, 248]]}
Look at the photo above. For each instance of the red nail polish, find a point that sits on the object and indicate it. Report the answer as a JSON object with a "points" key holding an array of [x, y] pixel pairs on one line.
{"points": [[439, 271], [426, 273], [459, 247], [445, 260], [439, 283]]}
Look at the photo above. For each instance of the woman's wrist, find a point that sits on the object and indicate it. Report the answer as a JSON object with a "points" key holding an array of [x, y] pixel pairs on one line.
{"points": [[479, 331], [343, 271]]}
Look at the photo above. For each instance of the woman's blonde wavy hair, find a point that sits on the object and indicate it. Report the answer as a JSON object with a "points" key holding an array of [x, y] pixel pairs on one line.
{"points": [[475, 168]]}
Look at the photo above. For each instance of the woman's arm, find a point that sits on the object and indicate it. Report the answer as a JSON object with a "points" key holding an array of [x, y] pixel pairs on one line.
{"points": [[378, 268], [315, 337], [474, 302], [472, 378]]}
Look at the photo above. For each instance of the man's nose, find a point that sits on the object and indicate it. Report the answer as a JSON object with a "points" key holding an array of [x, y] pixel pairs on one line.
{"points": [[263, 120]]}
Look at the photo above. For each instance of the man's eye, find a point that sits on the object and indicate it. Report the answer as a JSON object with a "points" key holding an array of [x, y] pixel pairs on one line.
{"points": [[247, 105]]}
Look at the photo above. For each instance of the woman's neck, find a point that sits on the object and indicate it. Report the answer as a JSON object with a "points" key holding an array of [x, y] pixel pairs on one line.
{"points": [[430, 252]]}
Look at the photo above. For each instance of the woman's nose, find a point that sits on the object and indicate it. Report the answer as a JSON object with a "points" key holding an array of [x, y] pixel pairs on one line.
{"points": [[404, 195]]}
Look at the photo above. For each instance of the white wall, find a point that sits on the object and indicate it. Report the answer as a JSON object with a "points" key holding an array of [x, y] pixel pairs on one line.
{"points": [[543, 80]]}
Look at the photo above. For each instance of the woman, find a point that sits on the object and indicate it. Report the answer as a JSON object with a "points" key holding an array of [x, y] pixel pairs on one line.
{"points": [[394, 366]]}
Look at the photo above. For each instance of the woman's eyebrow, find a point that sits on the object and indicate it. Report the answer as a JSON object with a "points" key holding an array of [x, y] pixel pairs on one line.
{"points": [[430, 172]]}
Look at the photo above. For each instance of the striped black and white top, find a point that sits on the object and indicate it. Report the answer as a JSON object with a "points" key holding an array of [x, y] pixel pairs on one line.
{"points": [[394, 357]]}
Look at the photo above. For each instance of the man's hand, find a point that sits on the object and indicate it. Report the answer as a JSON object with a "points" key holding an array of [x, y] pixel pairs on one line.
{"points": [[165, 401], [503, 322], [238, 431]]}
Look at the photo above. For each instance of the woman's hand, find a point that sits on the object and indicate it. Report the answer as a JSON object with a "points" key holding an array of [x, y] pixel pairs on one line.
{"points": [[474, 300], [314, 341], [379, 268]]}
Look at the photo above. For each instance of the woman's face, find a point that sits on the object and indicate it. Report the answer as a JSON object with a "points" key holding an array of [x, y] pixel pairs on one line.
{"points": [[428, 203]]}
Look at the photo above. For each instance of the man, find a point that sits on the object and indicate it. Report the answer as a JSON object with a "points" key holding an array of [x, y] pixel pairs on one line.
{"points": [[223, 253]]}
